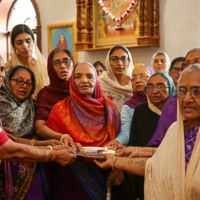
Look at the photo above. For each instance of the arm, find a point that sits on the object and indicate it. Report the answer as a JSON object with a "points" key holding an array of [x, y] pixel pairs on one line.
{"points": [[23, 153], [126, 118], [47, 133], [130, 152], [131, 165]]}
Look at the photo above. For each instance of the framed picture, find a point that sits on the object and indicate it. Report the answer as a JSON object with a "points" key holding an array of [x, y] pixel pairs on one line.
{"points": [[105, 33], [62, 35]]}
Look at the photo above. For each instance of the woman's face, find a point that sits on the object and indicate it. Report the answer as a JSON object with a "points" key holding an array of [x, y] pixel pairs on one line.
{"points": [[158, 91], [24, 45], [139, 79], [2, 72], [21, 90], [175, 74], [99, 70], [189, 106], [192, 58], [62, 38], [84, 78], [119, 67], [63, 70], [160, 64]]}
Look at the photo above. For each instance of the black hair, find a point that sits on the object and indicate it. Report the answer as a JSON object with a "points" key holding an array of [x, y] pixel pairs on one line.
{"points": [[19, 29], [56, 50], [178, 59], [22, 67], [118, 47], [97, 63]]}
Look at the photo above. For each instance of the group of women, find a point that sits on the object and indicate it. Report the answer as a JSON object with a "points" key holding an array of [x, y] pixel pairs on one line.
{"points": [[67, 103]]}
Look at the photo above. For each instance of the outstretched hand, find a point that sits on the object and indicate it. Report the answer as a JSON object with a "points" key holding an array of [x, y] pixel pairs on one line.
{"points": [[114, 144], [127, 152], [108, 163], [8, 130]]}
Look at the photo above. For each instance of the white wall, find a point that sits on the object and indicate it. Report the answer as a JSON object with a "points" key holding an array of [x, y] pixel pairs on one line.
{"points": [[179, 28]]}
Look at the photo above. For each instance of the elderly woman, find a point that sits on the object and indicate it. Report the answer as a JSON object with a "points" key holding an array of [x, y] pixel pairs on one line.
{"points": [[17, 113], [172, 173], [139, 80], [175, 69], [160, 62], [22, 43], [89, 118], [116, 81], [169, 114], [60, 65]]}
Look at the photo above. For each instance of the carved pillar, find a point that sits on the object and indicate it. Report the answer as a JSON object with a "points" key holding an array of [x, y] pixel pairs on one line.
{"points": [[81, 21], [141, 18], [89, 21], [148, 16], [156, 18]]}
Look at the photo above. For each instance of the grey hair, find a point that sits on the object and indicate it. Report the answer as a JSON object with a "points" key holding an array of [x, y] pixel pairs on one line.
{"points": [[143, 66], [191, 68]]}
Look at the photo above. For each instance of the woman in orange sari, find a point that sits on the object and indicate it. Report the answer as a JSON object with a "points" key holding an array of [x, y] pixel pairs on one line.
{"points": [[90, 119]]}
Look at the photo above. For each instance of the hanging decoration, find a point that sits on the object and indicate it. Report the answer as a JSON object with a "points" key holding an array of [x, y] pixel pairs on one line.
{"points": [[118, 20]]}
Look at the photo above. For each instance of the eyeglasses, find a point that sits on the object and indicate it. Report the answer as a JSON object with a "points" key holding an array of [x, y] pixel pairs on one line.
{"points": [[176, 69], [188, 63], [194, 92], [162, 61], [116, 59], [65, 62], [20, 82], [150, 88], [141, 76]]}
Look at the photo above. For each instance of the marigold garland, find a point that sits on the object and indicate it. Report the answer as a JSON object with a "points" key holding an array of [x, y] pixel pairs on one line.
{"points": [[122, 17]]}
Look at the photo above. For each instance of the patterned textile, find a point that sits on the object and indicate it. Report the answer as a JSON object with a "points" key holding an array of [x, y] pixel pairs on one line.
{"points": [[136, 100], [19, 116], [84, 117], [22, 178], [190, 139]]}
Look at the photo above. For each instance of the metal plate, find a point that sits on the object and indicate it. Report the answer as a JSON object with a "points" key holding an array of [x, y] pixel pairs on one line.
{"points": [[91, 153]]}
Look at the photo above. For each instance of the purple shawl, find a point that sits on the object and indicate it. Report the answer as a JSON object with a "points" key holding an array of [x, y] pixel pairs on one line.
{"points": [[167, 118]]}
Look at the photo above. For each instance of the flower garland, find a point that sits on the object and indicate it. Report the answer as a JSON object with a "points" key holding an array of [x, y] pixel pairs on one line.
{"points": [[118, 19]]}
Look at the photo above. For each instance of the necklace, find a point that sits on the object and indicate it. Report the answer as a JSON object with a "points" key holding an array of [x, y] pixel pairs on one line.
{"points": [[122, 17]]}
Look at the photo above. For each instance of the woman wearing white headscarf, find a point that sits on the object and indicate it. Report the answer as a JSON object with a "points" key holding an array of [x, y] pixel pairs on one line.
{"points": [[116, 81], [160, 62], [22, 43]]}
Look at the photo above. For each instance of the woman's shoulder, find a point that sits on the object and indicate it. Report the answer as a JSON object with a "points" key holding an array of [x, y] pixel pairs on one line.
{"points": [[141, 107]]}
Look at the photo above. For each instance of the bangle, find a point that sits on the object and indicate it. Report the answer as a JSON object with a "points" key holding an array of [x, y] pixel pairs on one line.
{"points": [[63, 136], [50, 147], [54, 154], [114, 161], [47, 155], [136, 152], [32, 142]]}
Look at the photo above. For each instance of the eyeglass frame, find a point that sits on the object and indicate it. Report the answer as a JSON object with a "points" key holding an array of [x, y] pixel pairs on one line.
{"points": [[24, 82], [175, 69], [60, 62], [139, 76], [166, 86], [123, 61], [191, 92]]}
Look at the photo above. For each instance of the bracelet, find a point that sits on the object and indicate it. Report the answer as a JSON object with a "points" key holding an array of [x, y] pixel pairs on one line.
{"points": [[50, 147], [54, 155], [32, 142], [47, 155], [114, 161], [136, 152], [63, 136]]}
